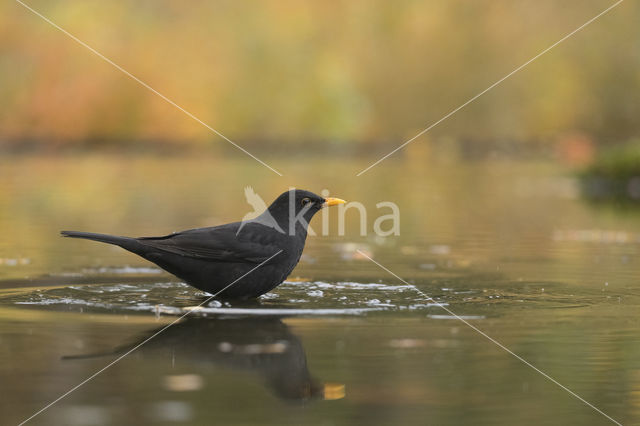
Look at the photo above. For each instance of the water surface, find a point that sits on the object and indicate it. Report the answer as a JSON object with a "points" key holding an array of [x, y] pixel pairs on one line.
{"points": [[508, 247]]}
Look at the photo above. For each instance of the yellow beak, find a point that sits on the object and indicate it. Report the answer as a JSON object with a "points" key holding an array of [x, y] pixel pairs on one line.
{"points": [[328, 202], [333, 391]]}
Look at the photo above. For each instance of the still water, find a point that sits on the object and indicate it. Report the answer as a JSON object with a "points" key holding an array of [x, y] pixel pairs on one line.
{"points": [[511, 248]]}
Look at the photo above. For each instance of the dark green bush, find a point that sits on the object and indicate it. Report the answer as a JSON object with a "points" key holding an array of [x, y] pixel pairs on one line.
{"points": [[615, 173]]}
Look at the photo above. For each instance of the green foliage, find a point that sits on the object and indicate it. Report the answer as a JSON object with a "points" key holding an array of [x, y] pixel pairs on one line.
{"points": [[615, 173], [619, 162]]}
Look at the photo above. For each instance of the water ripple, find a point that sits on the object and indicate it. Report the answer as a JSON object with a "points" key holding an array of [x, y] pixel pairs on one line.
{"points": [[290, 298]]}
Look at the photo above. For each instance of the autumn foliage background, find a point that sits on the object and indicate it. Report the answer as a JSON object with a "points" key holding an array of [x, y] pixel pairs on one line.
{"points": [[322, 75]]}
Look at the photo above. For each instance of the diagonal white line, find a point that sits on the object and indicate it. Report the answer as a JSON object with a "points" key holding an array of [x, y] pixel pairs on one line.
{"points": [[491, 87], [142, 83], [500, 345], [142, 343]]}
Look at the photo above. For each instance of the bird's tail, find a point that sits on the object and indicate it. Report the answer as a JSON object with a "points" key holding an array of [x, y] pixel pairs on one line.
{"points": [[103, 238]]}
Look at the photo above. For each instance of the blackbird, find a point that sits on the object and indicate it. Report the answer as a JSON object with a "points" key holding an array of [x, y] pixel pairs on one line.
{"points": [[239, 260]]}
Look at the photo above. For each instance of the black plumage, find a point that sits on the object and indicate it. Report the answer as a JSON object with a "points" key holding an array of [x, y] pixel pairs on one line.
{"points": [[239, 260]]}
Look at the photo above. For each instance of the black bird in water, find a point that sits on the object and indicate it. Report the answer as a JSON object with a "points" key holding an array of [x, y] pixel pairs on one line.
{"points": [[222, 259]]}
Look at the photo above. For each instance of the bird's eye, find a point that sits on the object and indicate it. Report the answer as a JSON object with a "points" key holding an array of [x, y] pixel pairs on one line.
{"points": [[305, 201]]}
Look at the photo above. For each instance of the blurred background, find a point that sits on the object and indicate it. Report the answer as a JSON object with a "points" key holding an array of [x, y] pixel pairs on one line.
{"points": [[319, 91], [343, 76], [520, 210]]}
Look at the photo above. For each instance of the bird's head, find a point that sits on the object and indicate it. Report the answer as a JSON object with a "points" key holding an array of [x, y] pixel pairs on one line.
{"points": [[296, 205]]}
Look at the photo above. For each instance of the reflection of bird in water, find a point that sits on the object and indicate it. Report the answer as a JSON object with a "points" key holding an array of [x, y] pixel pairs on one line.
{"points": [[264, 346]]}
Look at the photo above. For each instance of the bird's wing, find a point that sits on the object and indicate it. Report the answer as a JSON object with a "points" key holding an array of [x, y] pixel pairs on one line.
{"points": [[219, 243]]}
